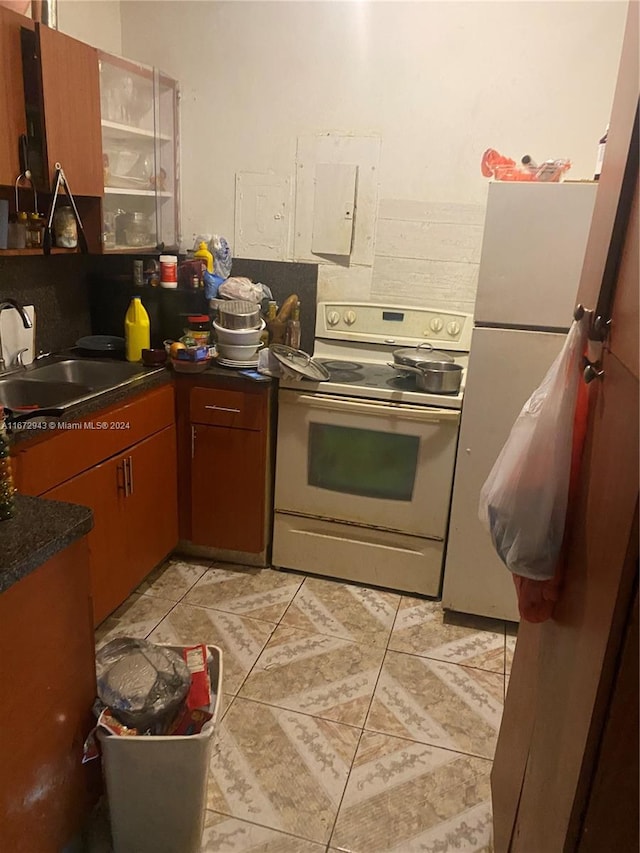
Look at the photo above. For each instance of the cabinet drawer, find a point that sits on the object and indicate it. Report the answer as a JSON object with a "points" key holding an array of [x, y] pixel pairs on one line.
{"points": [[56, 458], [227, 408]]}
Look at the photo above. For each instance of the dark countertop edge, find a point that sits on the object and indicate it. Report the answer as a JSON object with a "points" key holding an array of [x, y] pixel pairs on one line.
{"points": [[50, 525], [154, 378], [103, 400]]}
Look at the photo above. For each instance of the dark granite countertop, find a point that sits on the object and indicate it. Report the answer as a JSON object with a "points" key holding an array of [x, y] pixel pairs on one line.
{"points": [[152, 378], [39, 529]]}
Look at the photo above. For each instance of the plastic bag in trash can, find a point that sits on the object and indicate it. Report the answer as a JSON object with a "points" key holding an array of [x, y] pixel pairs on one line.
{"points": [[143, 684]]}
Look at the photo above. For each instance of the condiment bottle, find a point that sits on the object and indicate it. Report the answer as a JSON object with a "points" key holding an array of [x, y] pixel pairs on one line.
{"points": [[272, 310], [293, 328], [199, 329], [205, 254], [137, 332], [7, 488]]}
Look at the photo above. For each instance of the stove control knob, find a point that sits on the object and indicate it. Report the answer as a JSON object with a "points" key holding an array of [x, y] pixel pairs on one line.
{"points": [[333, 318], [436, 324], [350, 318], [453, 328]]}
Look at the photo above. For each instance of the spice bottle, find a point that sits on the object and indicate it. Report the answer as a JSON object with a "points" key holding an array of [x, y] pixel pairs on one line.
{"points": [[7, 488], [293, 328], [169, 271]]}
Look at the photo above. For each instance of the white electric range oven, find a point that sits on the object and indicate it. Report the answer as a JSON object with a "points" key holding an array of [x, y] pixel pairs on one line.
{"points": [[365, 462]]}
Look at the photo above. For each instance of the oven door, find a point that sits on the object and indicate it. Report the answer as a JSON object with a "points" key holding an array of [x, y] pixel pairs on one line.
{"points": [[372, 463]]}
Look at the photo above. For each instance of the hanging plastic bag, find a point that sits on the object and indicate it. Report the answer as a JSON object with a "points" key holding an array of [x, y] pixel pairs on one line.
{"points": [[523, 502]]}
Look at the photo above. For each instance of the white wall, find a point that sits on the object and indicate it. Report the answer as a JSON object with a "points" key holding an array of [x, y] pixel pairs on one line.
{"points": [[95, 22], [438, 82]]}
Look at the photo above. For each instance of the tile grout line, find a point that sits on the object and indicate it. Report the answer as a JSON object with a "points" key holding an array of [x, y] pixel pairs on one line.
{"points": [[265, 826], [175, 603], [362, 730]]}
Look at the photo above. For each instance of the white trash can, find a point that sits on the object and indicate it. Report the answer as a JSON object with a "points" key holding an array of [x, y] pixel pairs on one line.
{"points": [[157, 785]]}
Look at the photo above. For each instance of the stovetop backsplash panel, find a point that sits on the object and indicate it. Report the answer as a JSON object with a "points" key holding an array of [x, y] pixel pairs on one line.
{"points": [[76, 295]]}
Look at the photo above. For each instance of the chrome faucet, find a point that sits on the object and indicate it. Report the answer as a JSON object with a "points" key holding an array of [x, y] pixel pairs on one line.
{"points": [[26, 322]]}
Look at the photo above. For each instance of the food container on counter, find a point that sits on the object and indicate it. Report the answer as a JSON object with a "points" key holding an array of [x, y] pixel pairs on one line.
{"points": [[199, 329]]}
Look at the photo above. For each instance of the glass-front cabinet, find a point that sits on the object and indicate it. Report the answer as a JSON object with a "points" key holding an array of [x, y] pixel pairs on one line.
{"points": [[139, 121]]}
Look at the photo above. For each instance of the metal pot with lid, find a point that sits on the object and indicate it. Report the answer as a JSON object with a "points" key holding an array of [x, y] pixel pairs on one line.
{"points": [[412, 356]]}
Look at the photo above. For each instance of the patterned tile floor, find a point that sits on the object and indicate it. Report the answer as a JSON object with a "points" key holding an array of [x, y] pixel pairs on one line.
{"points": [[352, 719]]}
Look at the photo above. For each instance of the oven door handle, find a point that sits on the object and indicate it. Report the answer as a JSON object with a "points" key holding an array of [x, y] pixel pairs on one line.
{"points": [[425, 414]]}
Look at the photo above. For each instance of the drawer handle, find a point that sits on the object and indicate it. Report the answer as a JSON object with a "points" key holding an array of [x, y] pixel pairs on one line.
{"points": [[223, 409]]}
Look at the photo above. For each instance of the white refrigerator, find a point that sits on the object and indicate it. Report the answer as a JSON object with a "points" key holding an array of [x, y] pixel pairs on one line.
{"points": [[533, 246]]}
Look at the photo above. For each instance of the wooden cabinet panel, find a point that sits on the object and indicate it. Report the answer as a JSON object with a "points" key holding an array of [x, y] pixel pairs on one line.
{"points": [[228, 488], [223, 407], [48, 686], [70, 78], [133, 494], [12, 114], [43, 464], [152, 505], [102, 489]]}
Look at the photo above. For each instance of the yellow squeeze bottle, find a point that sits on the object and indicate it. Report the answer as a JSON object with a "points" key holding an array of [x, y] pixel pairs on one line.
{"points": [[205, 254], [137, 333]]}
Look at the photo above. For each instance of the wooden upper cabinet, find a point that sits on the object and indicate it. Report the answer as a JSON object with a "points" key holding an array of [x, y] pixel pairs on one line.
{"points": [[62, 93], [12, 115]]}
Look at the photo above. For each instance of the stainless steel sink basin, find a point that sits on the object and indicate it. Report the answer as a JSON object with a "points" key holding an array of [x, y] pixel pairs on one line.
{"points": [[28, 393], [64, 382], [94, 374]]}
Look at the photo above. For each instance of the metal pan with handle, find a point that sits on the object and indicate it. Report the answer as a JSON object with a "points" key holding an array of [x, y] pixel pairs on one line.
{"points": [[435, 377], [14, 417]]}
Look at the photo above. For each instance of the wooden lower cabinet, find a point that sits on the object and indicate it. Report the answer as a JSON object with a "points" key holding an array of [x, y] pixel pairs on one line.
{"points": [[101, 488], [151, 508], [47, 672], [228, 488], [134, 502]]}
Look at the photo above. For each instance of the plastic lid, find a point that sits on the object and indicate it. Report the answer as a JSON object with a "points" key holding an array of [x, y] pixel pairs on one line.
{"points": [[168, 259], [198, 318]]}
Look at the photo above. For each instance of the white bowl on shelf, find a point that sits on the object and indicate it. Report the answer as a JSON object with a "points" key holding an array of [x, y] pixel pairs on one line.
{"points": [[238, 337], [232, 352]]}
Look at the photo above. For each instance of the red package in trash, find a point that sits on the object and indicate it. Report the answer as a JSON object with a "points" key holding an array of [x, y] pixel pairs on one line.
{"points": [[90, 750], [189, 721], [107, 721], [199, 695]]}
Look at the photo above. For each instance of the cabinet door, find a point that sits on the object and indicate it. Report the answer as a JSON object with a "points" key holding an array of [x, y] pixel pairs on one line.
{"points": [[12, 115], [227, 488], [102, 489], [152, 503], [71, 98]]}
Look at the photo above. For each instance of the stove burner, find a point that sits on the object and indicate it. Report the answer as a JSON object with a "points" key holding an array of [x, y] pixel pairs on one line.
{"points": [[342, 366], [403, 382]]}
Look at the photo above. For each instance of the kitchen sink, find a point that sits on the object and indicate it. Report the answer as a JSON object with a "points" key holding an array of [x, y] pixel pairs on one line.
{"points": [[29, 393], [64, 382], [94, 374]]}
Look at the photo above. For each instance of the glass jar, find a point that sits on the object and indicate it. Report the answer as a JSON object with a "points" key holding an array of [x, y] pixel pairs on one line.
{"points": [[65, 228], [199, 329], [35, 230], [137, 230]]}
